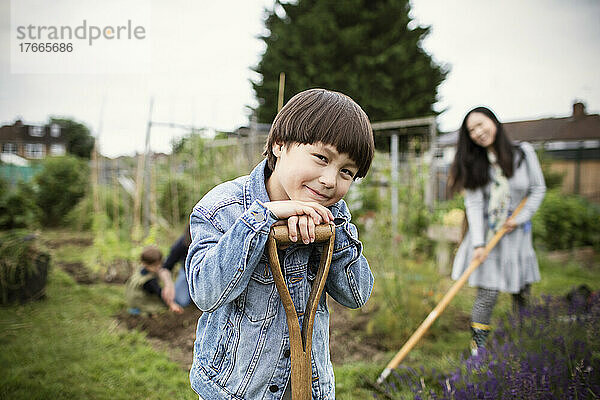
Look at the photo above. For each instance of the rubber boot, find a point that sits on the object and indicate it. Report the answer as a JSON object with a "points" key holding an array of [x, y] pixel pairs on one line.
{"points": [[479, 334]]}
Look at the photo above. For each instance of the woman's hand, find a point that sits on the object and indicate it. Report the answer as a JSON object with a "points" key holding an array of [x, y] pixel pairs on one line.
{"points": [[479, 254], [509, 225]]}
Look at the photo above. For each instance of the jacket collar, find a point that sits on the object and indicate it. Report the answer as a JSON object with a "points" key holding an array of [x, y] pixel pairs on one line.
{"points": [[255, 187]]}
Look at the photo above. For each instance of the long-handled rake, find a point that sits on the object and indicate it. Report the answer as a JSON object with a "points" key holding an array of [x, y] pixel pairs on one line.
{"points": [[439, 309], [301, 338]]}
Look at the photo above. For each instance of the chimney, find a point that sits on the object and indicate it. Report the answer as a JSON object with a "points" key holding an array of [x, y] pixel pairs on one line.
{"points": [[578, 110]]}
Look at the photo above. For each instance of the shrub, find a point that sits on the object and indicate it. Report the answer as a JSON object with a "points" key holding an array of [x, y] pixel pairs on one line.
{"points": [[567, 221], [18, 208], [61, 183]]}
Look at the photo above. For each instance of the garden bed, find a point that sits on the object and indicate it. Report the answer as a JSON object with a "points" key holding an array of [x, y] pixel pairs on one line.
{"points": [[171, 331]]}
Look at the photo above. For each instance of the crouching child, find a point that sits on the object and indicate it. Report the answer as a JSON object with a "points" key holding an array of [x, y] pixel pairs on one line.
{"points": [[143, 291]]}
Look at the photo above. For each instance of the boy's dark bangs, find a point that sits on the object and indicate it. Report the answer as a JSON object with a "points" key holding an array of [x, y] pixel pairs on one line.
{"points": [[341, 124]]}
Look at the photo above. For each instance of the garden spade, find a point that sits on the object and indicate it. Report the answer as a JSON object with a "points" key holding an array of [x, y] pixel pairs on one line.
{"points": [[301, 338], [439, 309]]}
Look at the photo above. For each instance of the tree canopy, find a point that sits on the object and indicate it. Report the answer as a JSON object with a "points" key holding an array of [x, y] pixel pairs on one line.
{"points": [[80, 142], [363, 48]]}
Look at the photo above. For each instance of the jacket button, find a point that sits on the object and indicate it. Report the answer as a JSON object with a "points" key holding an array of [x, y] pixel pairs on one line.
{"points": [[286, 353], [273, 388]]}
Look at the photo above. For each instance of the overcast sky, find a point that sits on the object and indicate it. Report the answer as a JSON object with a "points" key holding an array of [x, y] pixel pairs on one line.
{"points": [[524, 59]]}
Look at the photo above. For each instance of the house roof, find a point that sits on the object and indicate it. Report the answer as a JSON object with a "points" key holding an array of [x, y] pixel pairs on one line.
{"points": [[585, 127], [19, 132]]}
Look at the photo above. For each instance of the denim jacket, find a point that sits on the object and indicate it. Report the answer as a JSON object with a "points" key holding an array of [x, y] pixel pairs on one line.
{"points": [[242, 346]]}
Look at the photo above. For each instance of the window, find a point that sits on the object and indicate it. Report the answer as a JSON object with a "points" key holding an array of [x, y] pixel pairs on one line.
{"points": [[55, 130], [57, 149], [9, 148], [34, 150], [37, 131]]}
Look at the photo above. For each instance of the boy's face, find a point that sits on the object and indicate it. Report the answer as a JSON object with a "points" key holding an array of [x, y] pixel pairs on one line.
{"points": [[310, 172], [153, 267]]}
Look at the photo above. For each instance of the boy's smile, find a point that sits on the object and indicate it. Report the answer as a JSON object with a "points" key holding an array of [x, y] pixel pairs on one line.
{"points": [[310, 172]]}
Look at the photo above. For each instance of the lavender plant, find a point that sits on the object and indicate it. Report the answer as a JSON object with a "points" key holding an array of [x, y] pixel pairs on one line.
{"points": [[549, 350]]}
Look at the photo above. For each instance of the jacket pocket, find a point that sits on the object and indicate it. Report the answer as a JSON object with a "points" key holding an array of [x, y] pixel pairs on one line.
{"points": [[257, 301], [222, 349]]}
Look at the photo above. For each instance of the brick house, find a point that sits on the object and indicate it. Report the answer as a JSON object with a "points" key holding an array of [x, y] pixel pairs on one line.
{"points": [[32, 141], [571, 143]]}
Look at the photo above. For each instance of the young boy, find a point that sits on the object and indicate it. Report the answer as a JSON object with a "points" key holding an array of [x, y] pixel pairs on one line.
{"points": [[143, 291], [319, 143]]}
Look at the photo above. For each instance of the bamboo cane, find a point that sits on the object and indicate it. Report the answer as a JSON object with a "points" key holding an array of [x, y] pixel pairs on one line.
{"points": [[439, 309]]}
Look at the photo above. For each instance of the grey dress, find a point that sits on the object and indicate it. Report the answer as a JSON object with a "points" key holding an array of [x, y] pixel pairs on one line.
{"points": [[512, 264]]}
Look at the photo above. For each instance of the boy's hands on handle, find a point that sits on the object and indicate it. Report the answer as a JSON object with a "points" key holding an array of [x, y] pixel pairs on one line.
{"points": [[302, 217]]}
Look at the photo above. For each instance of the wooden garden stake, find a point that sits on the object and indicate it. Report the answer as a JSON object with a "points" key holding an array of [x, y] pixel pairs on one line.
{"points": [[426, 324], [300, 339]]}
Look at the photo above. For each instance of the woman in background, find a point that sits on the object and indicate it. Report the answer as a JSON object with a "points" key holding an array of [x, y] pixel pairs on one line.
{"points": [[496, 175]]}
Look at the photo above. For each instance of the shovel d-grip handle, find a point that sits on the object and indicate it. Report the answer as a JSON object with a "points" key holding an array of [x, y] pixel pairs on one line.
{"points": [[301, 338]]}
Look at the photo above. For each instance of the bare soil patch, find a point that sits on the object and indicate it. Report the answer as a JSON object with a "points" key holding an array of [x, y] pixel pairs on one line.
{"points": [[79, 242], [116, 273], [169, 332], [175, 334], [79, 272]]}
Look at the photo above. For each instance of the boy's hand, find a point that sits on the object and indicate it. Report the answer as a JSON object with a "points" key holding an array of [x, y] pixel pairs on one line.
{"points": [[176, 308], [303, 224], [168, 291], [302, 217]]}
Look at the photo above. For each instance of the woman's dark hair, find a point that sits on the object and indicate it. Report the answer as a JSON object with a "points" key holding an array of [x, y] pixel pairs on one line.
{"points": [[320, 115], [470, 168]]}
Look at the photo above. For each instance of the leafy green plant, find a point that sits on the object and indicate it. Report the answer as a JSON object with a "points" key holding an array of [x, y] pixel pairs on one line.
{"points": [[61, 183], [18, 208], [567, 221], [81, 216], [176, 199]]}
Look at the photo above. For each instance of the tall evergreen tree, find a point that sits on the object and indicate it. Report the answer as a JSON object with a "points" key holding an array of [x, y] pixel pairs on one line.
{"points": [[363, 48]]}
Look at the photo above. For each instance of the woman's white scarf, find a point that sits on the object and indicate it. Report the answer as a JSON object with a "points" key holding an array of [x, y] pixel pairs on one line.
{"points": [[499, 197]]}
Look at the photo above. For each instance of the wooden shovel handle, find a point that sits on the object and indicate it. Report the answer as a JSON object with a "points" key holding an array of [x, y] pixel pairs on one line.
{"points": [[301, 338], [322, 233]]}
